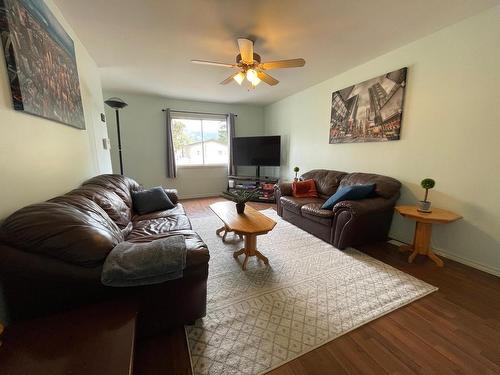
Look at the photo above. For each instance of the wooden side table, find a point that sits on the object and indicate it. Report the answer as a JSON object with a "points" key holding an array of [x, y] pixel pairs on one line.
{"points": [[423, 230]]}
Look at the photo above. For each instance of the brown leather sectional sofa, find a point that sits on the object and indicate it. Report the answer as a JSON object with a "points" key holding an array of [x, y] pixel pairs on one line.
{"points": [[349, 223], [51, 255]]}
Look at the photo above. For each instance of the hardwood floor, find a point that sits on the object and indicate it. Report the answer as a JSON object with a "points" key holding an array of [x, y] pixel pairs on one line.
{"points": [[455, 330]]}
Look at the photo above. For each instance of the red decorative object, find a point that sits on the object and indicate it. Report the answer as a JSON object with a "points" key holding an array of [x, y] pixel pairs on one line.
{"points": [[304, 189]]}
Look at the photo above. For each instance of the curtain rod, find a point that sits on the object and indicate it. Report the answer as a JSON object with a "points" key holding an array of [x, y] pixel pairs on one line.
{"points": [[198, 113]]}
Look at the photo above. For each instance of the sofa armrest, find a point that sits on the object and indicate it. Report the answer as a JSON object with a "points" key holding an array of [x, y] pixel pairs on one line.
{"points": [[281, 189], [172, 194], [362, 221], [284, 188], [365, 206]]}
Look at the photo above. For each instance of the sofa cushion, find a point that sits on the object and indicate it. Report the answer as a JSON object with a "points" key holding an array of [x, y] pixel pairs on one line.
{"points": [[151, 200], [89, 207], [327, 221], [113, 193], [304, 189], [294, 204], [153, 227], [62, 231], [316, 210], [386, 187], [121, 185], [177, 210], [327, 181], [348, 193]]}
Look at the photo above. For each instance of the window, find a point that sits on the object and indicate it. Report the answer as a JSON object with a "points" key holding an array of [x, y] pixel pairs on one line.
{"points": [[200, 140]]}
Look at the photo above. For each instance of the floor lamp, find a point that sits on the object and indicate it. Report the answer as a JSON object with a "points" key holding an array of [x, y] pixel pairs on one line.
{"points": [[116, 104]]}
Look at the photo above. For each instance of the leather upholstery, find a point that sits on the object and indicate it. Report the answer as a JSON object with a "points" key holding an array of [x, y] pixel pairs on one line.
{"points": [[177, 210], [62, 231], [51, 253], [156, 228], [316, 210], [295, 204], [172, 194], [327, 181], [385, 187], [118, 209], [349, 223]]}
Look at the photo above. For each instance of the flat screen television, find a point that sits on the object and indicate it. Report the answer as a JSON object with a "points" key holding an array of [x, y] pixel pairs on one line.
{"points": [[257, 151]]}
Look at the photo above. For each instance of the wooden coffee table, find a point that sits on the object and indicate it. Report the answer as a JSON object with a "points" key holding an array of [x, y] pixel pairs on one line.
{"points": [[249, 225], [423, 230]]}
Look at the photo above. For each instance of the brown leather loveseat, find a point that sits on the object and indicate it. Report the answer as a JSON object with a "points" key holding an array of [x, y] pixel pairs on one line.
{"points": [[349, 223], [51, 255]]}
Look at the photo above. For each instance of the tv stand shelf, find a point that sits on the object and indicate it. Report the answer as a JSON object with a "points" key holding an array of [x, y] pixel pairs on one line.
{"points": [[264, 184]]}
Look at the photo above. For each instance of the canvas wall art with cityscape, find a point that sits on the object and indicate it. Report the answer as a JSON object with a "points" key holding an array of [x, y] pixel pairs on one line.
{"points": [[41, 62], [369, 111]]}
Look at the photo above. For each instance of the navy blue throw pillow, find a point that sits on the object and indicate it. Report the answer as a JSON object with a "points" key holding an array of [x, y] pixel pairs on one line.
{"points": [[349, 193], [151, 200]]}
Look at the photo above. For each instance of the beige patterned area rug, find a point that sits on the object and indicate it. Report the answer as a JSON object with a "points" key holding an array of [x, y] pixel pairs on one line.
{"points": [[310, 293]]}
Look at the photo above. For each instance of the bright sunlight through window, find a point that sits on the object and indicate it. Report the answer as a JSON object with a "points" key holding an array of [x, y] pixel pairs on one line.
{"points": [[200, 141]]}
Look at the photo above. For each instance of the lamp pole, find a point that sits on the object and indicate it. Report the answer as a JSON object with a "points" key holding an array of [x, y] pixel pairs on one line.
{"points": [[117, 104]]}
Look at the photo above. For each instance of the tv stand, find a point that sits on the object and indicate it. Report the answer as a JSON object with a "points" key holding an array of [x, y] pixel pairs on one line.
{"points": [[258, 171], [265, 185]]}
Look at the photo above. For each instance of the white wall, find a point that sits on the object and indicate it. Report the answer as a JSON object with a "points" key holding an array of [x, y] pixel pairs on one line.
{"points": [[39, 158], [142, 125], [450, 132]]}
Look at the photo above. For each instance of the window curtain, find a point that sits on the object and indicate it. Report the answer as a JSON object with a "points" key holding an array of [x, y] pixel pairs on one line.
{"points": [[171, 168], [231, 117]]}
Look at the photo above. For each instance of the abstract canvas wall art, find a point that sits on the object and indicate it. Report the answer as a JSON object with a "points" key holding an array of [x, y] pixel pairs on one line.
{"points": [[370, 111], [41, 62]]}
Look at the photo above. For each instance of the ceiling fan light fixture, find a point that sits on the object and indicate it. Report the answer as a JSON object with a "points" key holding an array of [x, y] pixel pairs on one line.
{"points": [[251, 75], [255, 81], [239, 77], [249, 65]]}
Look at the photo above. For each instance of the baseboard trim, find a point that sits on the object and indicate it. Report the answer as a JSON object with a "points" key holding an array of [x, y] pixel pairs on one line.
{"points": [[468, 262]]}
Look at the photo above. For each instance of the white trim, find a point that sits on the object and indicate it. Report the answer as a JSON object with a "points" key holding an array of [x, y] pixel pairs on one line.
{"points": [[468, 262]]}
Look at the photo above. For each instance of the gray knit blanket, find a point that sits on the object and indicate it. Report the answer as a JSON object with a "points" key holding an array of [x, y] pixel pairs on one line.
{"points": [[135, 264]]}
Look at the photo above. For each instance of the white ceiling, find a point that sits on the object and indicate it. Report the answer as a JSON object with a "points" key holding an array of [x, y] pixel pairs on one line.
{"points": [[146, 46]]}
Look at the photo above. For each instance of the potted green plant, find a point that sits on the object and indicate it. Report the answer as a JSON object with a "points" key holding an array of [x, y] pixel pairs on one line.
{"points": [[296, 170], [427, 184], [240, 197]]}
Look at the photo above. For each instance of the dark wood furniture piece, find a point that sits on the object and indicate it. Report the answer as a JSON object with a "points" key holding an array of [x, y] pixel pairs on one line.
{"points": [[95, 340], [265, 185]]}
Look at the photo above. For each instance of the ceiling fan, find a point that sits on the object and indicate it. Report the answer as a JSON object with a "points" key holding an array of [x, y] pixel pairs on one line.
{"points": [[249, 66]]}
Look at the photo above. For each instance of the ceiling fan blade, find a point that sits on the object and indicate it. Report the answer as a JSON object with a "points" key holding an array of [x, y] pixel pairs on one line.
{"points": [[293, 63], [246, 50], [214, 63], [228, 79], [267, 78]]}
